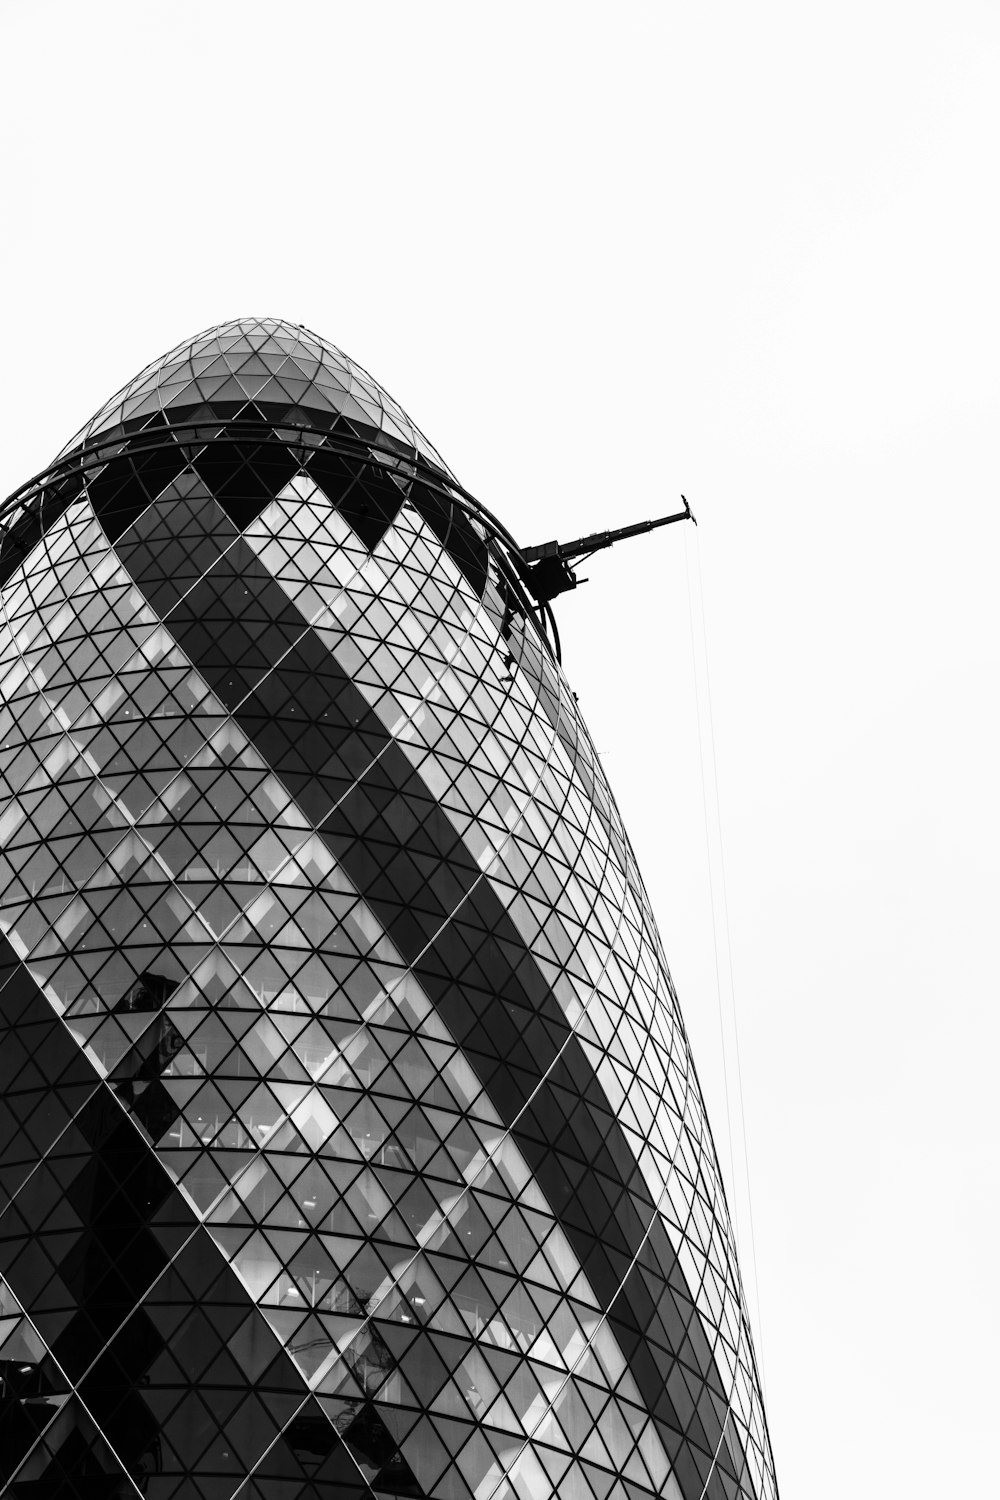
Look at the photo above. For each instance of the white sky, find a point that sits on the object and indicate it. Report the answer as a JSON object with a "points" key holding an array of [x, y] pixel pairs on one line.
{"points": [[602, 256]]}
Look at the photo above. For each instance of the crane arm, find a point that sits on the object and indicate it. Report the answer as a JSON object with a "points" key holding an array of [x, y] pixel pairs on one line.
{"points": [[546, 568]]}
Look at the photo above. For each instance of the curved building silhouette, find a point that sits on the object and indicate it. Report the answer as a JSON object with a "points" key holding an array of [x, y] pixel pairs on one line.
{"points": [[351, 1141]]}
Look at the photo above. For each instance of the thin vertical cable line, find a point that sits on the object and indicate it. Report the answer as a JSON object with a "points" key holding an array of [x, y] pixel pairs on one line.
{"points": [[711, 883], [729, 953], [742, 1312]]}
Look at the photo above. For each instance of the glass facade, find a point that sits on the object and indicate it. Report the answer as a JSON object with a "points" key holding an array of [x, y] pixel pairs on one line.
{"points": [[351, 1141]]}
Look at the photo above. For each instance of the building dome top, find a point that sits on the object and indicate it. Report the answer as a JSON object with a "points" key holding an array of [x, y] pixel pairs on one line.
{"points": [[261, 362]]}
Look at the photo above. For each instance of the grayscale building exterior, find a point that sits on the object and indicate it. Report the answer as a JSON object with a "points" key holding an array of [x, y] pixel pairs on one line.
{"points": [[350, 1141]]}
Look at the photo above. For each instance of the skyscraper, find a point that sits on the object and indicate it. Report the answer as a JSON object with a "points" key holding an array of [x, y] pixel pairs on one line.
{"points": [[351, 1142]]}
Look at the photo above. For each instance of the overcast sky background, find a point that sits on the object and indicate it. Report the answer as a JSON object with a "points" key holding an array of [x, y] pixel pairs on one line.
{"points": [[603, 255]]}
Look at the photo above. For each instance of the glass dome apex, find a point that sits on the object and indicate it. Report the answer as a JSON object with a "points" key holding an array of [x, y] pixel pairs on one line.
{"points": [[263, 360]]}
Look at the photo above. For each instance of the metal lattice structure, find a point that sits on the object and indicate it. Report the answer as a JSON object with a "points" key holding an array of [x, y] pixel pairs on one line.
{"points": [[351, 1142]]}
